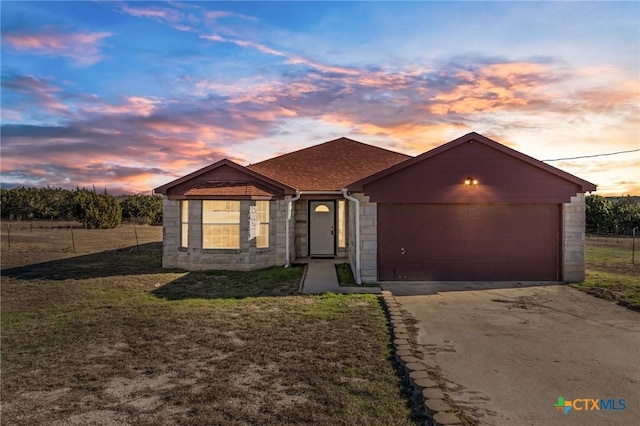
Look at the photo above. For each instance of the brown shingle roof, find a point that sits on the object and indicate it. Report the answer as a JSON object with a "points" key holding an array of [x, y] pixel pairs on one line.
{"points": [[329, 166]]}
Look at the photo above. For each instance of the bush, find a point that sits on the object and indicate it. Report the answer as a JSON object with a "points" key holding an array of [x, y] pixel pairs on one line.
{"points": [[36, 203], [145, 208], [96, 210], [92, 209]]}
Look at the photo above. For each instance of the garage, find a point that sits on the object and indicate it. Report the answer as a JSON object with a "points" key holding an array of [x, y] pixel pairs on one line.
{"points": [[451, 242], [474, 210]]}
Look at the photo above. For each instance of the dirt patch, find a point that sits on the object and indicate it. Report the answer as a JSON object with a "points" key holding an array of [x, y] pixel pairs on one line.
{"points": [[88, 340], [522, 302]]}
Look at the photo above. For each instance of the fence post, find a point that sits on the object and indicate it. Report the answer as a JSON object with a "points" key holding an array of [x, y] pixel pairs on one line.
{"points": [[633, 245], [73, 240], [136, 232], [9, 235]]}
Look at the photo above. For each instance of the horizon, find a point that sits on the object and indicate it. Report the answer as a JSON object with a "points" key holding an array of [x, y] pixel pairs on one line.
{"points": [[129, 96]]}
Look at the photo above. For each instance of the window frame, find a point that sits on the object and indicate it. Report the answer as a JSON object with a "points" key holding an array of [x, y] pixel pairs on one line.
{"points": [[259, 225], [342, 224], [237, 224], [184, 223]]}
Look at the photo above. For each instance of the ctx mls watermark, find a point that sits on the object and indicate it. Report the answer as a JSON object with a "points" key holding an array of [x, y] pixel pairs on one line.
{"points": [[590, 404]]}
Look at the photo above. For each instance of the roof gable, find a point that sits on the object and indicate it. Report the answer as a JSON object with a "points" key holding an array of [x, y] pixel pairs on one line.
{"points": [[328, 166], [224, 178], [505, 175]]}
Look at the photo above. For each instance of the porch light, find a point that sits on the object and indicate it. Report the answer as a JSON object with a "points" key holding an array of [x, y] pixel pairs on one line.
{"points": [[471, 181]]}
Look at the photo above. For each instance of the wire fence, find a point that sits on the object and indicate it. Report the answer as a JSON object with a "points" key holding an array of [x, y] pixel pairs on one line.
{"points": [[67, 236], [630, 242]]}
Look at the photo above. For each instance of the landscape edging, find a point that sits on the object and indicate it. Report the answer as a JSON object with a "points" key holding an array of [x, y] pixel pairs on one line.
{"points": [[432, 396]]}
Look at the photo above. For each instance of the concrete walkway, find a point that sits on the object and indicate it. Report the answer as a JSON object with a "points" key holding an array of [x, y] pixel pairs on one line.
{"points": [[321, 278]]}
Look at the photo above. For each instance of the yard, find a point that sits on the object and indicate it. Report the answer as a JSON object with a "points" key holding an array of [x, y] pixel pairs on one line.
{"points": [[95, 332], [100, 334], [610, 273]]}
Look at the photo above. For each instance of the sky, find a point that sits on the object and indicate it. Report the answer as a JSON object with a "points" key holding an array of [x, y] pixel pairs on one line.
{"points": [[131, 95]]}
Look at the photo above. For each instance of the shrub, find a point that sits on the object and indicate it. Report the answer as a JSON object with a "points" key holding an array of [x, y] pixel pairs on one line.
{"points": [[146, 208], [96, 210]]}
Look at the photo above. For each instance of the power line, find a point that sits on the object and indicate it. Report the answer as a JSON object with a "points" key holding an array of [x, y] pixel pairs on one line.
{"points": [[593, 156]]}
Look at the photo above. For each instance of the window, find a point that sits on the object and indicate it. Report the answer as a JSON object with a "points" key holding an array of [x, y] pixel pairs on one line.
{"points": [[321, 209], [262, 226], [184, 223], [220, 224], [341, 224]]}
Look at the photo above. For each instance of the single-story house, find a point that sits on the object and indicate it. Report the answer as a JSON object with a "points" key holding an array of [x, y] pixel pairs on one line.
{"points": [[471, 209]]}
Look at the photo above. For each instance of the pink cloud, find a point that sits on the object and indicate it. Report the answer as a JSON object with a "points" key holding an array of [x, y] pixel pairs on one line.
{"points": [[493, 87], [135, 105], [84, 48]]}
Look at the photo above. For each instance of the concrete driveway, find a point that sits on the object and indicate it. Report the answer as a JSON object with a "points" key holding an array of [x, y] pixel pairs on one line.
{"points": [[507, 354]]}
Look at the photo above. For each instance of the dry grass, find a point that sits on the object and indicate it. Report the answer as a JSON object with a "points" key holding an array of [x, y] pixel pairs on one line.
{"points": [[104, 336], [610, 272]]}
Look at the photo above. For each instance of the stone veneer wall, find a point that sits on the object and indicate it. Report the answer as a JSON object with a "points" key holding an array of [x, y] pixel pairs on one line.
{"points": [[170, 232], [247, 257], [300, 228], [573, 224], [368, 238]]}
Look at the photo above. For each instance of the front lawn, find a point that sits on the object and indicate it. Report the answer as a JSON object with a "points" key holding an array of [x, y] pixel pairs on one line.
{"points": [[610, 273], [110, 338]]}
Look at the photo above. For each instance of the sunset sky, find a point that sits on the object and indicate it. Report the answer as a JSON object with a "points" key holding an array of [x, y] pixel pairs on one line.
{"points": [[131, 95]]}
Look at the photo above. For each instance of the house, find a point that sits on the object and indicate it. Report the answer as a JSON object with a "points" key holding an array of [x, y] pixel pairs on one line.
{"points": [[471, 209]]}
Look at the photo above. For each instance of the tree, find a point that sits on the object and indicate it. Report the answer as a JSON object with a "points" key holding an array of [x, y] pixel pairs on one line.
{"points": [[96, 210], [626, 215], [599, 214], [147, 208]]}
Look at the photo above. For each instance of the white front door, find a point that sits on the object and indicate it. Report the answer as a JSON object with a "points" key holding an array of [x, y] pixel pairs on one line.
{"points": [[322, 228]]}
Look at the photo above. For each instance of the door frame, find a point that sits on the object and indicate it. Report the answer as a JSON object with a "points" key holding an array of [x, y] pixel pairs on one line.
{"points": [[335, 224]]}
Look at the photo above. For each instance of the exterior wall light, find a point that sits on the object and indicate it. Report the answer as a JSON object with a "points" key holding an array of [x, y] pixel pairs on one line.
{"points": [[470, 181]]}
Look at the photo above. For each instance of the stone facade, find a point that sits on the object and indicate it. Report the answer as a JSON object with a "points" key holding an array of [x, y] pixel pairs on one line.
{"points": [[170, 232], [573, 234], [301, 228], [247, 257], [368, 238]]}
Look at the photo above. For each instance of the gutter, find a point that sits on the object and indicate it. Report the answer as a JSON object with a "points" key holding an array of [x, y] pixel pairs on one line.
{"points": [[357, 209]]}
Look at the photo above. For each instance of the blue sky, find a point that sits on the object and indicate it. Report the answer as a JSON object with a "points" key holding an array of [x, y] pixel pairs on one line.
{"points": [[130, 95]]}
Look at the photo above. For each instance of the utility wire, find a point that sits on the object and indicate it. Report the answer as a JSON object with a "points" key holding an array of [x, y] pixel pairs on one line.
{"points": [[593, 156]]}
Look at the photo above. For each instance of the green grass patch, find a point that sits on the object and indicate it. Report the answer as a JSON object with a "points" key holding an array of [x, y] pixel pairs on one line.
{"points": [[345, 275], [610, 273], [273, 281]]}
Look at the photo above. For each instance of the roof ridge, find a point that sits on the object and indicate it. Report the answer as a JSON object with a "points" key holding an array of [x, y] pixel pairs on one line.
{"points": [[326, 143]]}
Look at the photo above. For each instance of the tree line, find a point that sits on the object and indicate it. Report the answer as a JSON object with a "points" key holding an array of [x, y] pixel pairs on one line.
{"points": [[91, 208], [101, 210], [617, 216]]}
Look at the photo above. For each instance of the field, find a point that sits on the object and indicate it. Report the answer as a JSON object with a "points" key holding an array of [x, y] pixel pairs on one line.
{"points": [[610, 273], [95, 332]]}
